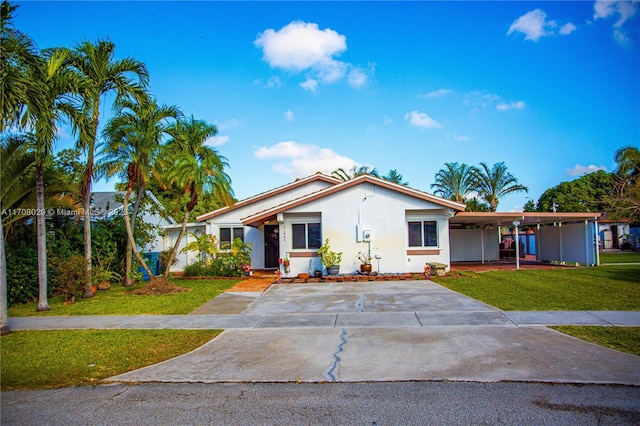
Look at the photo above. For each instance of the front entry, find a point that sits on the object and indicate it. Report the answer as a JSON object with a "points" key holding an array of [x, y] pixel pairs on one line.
{"points": [[271, 246]]}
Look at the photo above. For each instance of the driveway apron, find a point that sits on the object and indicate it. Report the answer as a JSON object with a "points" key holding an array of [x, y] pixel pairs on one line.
{"points": [[386, 331]]}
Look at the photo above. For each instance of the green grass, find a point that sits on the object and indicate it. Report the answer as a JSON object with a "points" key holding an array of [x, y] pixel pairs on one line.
{"points": [[54, 359], [625, 339], [120, 300], [605, 288], [621, 257]]}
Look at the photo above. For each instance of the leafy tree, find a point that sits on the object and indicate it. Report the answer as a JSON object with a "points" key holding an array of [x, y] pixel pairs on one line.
{"points": [[494, 183], [475, 205], [624, 201], [132, 141], [101, 74], [585, 194], [193, 168], [454, 182]]}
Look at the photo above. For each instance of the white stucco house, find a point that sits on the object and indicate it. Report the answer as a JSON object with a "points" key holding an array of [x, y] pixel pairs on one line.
{"points": [[403, 228]]}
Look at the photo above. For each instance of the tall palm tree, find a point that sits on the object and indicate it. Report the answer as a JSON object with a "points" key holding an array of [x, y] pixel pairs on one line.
{"points": [[194, 169], [455, 182], [494, 183], [101, 74], [17, 55], [132, 141], [49, 100]]}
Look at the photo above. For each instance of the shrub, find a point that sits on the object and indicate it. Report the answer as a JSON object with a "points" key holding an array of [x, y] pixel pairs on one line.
{"points": [[223, 265], [68, 276], [196, 269], [22, 275]]}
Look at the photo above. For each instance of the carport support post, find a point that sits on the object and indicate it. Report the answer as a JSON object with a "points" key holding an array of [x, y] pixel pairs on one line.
{"points": [[517, 242]]}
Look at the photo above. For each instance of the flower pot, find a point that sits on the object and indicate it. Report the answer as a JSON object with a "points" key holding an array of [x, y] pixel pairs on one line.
{"points": [[333, 270], [366, 268], [303, 276]]}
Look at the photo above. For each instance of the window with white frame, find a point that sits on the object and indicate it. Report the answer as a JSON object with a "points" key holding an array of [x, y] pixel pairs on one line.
{"points": [[228, 234], [306, 235], [423, 233]]}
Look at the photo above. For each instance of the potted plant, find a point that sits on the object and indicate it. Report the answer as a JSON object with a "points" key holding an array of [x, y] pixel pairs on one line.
{"points": [[365, 261], [330, 259], [102, 277]]}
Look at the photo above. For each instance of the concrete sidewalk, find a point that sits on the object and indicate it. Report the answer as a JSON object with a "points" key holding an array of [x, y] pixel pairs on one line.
{"points": [[392, 331]]}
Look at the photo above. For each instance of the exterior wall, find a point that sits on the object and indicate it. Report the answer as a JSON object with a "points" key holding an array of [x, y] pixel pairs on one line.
{"points": [[475, 245], [169, 240], [370, 207], [607, 234], [573, 243]]}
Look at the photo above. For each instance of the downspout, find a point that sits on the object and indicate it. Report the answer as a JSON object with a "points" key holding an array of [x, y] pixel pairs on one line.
{"points": [[516, 240]]}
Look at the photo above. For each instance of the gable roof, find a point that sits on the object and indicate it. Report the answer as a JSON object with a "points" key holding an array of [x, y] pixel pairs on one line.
{"points": [[260, 217], [276, 191]]}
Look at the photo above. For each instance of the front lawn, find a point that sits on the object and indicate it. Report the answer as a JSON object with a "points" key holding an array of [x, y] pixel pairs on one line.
{"points": [[63, 358], [120, 300], [604, 288], [625, 339], [621, 257]]}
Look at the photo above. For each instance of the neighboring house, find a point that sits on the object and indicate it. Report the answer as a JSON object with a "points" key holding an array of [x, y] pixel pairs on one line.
{"points": [[614, 234], [403, 228], [105, 205]]}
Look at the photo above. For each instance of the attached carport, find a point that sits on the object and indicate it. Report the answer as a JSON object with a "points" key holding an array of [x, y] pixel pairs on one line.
{"points": [[559, 237]]}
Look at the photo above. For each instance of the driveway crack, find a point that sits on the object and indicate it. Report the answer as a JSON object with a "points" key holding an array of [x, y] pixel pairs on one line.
{"points": [[335, 364]]}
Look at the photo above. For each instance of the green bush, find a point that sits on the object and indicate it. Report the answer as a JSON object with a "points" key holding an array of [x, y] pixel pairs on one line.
{"points": [[22, 275], [68, 276], [223, 265]]}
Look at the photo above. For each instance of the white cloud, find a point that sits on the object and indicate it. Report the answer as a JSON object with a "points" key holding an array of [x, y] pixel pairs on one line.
{"points": [[228, 124], [459, 138], [296, 159], [289, 116], [272, 82], [436, 93], [580, 170], [217, 141], [311, 85], [420, 119], [621, 10], [303, 47], [534, 24], [357, 78], [504, 106]]}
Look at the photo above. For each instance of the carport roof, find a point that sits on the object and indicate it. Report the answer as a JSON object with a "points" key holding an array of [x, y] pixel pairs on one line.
{"points": [[525, 218]]}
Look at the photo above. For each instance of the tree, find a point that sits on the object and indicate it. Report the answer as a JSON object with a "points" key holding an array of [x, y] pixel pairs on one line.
{"points": [[395, 177], [132, 141], [494, 183], [585, 194], [454, 182], [101, 74], [354, 172], [624, 201], [193, 168], [475, 205], [206, 245], [18, 53], [48, 102]]}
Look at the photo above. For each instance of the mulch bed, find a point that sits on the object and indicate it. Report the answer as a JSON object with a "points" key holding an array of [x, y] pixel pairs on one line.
{"points": [[160, 285]]}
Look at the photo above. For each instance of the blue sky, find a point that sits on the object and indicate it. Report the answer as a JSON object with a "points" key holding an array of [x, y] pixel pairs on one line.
{"points": [[550, 88]]}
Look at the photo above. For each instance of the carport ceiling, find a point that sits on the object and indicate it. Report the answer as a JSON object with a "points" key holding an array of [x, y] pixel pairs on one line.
{"points": [[525, 219]]}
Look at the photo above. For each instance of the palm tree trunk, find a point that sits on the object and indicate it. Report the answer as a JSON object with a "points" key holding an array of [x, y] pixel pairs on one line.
{"points": [[175, 247], [4, 315], [129, 253], [43, 304], [86, 207], [127, 225]]}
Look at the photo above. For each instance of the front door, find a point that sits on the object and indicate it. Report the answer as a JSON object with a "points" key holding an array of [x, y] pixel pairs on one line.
{"points": [[271, 246]]}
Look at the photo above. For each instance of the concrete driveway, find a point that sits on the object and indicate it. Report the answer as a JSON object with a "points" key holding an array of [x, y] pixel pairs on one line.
{"points": [[388, 331]]}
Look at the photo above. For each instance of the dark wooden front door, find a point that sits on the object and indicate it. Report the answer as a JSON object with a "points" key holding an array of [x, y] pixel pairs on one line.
{"points": [[271, 246]]}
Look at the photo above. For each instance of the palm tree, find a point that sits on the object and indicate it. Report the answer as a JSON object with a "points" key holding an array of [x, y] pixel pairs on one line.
{"points": [[206, 245], [354, 172], [49, 100], [194, 169], [132, 141], [493, 184], [625, 199], [395, 177], [455, 182], [101, 74], [18, 53]]}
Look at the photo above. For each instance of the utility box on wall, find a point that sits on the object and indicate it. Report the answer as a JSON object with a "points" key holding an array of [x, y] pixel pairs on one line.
{"points": [[367, 235], [363, 234]]}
